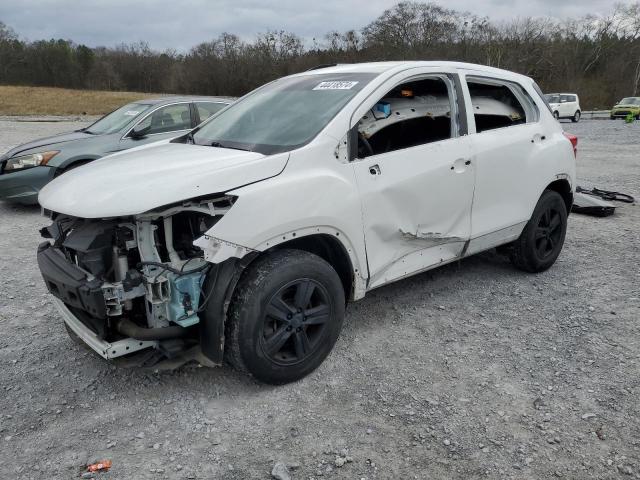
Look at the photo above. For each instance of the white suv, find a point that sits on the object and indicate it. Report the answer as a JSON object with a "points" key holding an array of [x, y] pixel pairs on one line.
{"points": [[244, 239], [564, 105]]}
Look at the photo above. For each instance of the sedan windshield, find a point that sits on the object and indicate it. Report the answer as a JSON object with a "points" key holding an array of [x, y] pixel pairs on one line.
{"points": [[282, 115], [630, 101], [118, 119]]}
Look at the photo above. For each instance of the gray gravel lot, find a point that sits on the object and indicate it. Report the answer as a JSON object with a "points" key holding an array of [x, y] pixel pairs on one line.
{"points": [[474, 370]]}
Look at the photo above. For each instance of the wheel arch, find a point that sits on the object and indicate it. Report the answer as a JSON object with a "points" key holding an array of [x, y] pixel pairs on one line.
{"points": [[563, 187], [222, 282], [331, 250], [73, 163]]}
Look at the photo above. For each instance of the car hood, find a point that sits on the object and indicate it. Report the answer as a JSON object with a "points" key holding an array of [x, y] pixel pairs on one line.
{"points": [[48, 141], [626, 105], [131, 183]]}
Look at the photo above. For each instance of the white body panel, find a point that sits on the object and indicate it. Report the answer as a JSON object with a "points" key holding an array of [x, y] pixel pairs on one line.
{"points": [[423, 206], [131, 183], [415, 201]]}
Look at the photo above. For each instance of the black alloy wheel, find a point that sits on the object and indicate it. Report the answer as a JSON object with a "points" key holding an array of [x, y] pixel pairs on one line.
{"points": [[548, 232], [285, 316], [295, 321], [541, 240]]}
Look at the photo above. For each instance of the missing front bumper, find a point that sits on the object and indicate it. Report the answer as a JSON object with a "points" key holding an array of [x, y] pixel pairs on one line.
{"points": [[105, 349]]}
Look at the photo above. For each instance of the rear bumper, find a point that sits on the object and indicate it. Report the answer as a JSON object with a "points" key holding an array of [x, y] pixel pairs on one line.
{"points": [[23, 187], [106, 350]]}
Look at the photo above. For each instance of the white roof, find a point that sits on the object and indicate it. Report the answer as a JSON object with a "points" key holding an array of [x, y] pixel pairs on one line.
{"points": [[380, 67]]}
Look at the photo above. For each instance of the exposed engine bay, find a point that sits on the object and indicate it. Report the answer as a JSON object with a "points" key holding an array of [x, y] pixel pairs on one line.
{"points": [[139, 277]]}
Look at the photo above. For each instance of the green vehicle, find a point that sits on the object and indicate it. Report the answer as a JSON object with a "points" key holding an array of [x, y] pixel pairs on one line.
{"points": [[25, 169], [626, 106]]}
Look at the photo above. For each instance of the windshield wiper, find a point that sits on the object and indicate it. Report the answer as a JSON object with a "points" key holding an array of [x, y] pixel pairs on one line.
{"points": [[220, 145]]}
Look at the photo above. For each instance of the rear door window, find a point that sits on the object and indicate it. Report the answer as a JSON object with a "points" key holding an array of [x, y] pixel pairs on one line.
{"points": [[168, 119], [498, 104]]}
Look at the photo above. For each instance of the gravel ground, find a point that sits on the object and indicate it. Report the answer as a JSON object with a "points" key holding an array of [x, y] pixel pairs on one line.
{"points": [[473, 370]]}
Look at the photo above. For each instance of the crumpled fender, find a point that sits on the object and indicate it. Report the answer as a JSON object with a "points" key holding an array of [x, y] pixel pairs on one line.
{"points": [[305, 199]]}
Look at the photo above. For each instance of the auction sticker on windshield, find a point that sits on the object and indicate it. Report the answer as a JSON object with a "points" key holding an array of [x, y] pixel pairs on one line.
{"points": [[131, 113], [335, 85]]}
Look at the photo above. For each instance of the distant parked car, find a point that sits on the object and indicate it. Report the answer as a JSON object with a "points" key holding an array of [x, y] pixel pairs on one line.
{"points": [[25, 169], [626, 106], [565, 105]]}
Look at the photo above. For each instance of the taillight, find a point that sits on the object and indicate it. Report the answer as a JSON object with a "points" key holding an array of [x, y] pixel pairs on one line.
{"points": [[574, 142]]}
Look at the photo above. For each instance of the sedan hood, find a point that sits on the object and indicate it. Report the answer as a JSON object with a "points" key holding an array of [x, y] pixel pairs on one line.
{"points": [[131, 183], [48, 141]]}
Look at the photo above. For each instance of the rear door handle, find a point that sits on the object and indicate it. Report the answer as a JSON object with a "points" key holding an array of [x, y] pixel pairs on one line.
{"points": [[459, 164]]}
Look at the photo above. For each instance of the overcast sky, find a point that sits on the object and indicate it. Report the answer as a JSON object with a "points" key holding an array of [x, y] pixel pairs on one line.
{"points": [[183, 23]]}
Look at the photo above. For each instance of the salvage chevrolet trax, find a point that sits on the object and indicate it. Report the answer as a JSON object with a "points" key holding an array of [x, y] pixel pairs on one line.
{"points": [[244, 239]]}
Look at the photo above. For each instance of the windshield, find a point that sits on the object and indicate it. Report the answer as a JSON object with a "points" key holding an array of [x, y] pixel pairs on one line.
{"points": [[630, 101], [118, 119], [282, 115], [553, 98]]}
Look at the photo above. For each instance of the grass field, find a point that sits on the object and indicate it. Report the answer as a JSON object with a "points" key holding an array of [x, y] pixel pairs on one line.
{"points": [[62, 101]]}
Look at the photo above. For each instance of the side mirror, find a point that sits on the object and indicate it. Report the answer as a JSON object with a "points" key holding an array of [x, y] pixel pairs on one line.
{"points": [[139, 131]]}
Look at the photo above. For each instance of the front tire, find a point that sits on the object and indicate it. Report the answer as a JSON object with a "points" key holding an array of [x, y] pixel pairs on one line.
{"points": [[543, 237], [576, 116], [285, 316]]}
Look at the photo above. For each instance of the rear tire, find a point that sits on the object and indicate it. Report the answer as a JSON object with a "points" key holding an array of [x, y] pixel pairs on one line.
{"points": [[543, 237], [285, 316], [576, 116]]}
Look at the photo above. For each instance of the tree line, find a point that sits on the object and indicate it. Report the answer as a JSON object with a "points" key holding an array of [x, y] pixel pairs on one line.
{"points": [[596, 57]]}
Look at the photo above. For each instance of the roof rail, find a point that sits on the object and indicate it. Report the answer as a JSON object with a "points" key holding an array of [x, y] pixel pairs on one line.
{"points": [[324, 65]]}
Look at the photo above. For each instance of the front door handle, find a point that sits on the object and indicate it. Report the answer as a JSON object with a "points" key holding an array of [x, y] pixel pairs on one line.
{"points": [[375, 169]]}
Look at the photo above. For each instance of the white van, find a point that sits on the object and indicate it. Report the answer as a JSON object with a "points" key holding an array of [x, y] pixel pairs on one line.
{"points": [[565, 105]]}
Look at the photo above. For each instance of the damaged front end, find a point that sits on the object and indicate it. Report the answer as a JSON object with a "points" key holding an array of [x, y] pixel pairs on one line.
{"points": [[127, 284]]}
